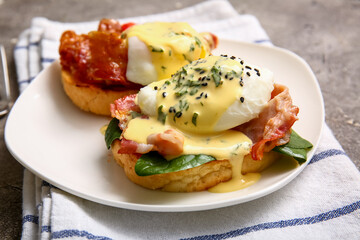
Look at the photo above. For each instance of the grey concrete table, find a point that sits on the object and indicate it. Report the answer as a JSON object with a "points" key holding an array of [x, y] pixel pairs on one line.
{"points": [[324, 32]]}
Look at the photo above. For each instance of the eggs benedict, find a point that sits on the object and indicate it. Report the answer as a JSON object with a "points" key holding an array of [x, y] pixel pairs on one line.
{"points": [[117, 60], [203, 127]]}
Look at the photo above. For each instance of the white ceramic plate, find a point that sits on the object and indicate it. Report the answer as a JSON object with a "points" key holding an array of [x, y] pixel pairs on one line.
{"points": [[63, 145]]}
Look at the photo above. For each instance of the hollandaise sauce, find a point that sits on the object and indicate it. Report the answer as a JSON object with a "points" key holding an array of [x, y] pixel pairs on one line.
{"points": [[171, 44], [196, 96]]}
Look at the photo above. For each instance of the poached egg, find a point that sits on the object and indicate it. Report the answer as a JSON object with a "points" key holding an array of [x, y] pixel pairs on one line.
{"points": [[212, 94], [158, 49], [203, 101]]}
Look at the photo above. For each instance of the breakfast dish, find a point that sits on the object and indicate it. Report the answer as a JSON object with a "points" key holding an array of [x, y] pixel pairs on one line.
{"points": [[212, 125], [118, 59], [64, 147]]}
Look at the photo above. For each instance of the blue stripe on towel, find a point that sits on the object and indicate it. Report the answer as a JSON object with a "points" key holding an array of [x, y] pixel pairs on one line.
{"points": [[30, 218], [325, 154], [26, 80], [49, 60], [76, 233], [262, 41], [45, 228], [27, 46], [285, 223]]}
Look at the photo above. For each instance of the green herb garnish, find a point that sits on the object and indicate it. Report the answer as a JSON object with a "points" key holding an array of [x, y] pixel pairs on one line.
{"points": [[161, 114], [185, 57], [215, 70], [192, 47], [194, 118], [197, 41], [156, 49]]}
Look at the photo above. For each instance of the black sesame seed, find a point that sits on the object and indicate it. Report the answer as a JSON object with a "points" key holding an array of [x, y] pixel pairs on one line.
{"points": [[208, 78], [155, 88], [241, 62], [203, 78], [241, 83], [232, 57], [205, 95], [204, 84], [178, 114], [242, 99], [220, 73], [201, 94], [231, 78], [258, 73], [202, 72], [164, 94], [256, 70], [248, 67], [171, 109], [226, 76], [199, 79], [248, 73]]}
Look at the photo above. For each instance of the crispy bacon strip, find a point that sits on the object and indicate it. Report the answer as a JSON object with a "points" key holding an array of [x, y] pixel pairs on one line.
{"points": [[273, 126], [99, 57], [170, 142], [132, 147], [121, 109], [211, 39], [128, 146], [109, 26]]}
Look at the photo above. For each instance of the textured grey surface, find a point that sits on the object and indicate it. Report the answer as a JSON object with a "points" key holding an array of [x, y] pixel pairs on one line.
{"points": [[325, 33]]}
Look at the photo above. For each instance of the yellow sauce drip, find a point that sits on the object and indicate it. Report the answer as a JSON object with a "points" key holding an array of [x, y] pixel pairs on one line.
{"points": [[103, 129], [171, 45], [238, 180]]}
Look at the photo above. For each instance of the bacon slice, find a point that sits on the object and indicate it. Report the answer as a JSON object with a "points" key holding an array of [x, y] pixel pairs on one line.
{"points": [[121, 109], [99, 57], [132, 147], [109, 26], [273, 126], [125, 104], [170, 142]]}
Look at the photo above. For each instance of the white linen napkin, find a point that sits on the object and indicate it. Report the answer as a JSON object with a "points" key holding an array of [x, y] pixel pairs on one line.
{"points": [[323, 202]]}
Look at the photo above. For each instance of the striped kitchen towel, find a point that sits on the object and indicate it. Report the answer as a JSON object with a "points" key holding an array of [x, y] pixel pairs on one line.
{"points": [[321, 203]]}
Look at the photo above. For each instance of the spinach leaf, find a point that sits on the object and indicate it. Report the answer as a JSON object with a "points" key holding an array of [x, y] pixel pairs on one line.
{"points": [[112, 132], [153, 163], [297, 148]]}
